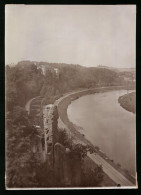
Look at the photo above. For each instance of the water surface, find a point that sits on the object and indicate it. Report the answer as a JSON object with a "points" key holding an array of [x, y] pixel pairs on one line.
{"points": [[106, 124]]}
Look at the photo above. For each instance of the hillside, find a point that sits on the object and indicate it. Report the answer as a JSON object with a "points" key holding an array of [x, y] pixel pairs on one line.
{"points": [[118, 69], [50, 81], [28, 79]]}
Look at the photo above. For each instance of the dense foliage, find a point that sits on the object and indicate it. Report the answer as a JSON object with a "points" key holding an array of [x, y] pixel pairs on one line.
{"points": [[72, 77], [21, 163], [78, 153], [26, 80], [22, 83]]}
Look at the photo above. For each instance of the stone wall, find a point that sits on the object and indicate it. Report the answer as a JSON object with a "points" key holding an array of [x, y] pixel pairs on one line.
{"points": [[62, 166], [57, 156], [67, 171], [37, 147]]}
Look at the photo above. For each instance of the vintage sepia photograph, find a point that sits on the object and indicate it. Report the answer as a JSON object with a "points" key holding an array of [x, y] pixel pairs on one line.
{"points": [[70, 85]]}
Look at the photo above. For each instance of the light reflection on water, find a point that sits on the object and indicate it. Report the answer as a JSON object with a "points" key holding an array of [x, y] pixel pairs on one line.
{"points": [[107, 125]]}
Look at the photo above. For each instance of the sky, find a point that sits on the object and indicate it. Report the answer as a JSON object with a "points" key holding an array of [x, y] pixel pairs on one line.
{"points": [[88, 35]]}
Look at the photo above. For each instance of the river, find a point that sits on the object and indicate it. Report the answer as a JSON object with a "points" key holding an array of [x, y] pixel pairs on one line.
{"points": [[106, 124]]}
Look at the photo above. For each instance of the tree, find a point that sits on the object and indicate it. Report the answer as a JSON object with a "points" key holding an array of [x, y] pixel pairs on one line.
{"points": [[20, 161]]}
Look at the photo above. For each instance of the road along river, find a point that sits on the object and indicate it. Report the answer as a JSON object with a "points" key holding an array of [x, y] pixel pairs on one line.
{"points": [[106, 124]]}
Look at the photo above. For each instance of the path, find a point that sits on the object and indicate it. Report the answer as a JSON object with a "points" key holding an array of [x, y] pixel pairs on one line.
{"points": [[116, 176]]}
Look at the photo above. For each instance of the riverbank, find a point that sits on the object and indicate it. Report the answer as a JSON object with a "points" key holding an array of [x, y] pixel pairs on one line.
{"points": [[62, 109], [128, 102]]}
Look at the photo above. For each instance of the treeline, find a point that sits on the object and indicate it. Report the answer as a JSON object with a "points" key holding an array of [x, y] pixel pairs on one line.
{"points": [[26, 80], [22, 83], [73, 77]]}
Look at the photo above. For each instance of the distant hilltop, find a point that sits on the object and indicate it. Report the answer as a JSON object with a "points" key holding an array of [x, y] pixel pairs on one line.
{"points": [[117, 69], [55, 66], [50, 65], [126, 69]]}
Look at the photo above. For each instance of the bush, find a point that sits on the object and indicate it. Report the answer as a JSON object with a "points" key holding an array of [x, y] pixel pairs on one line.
{"points": [[94, 177]]}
